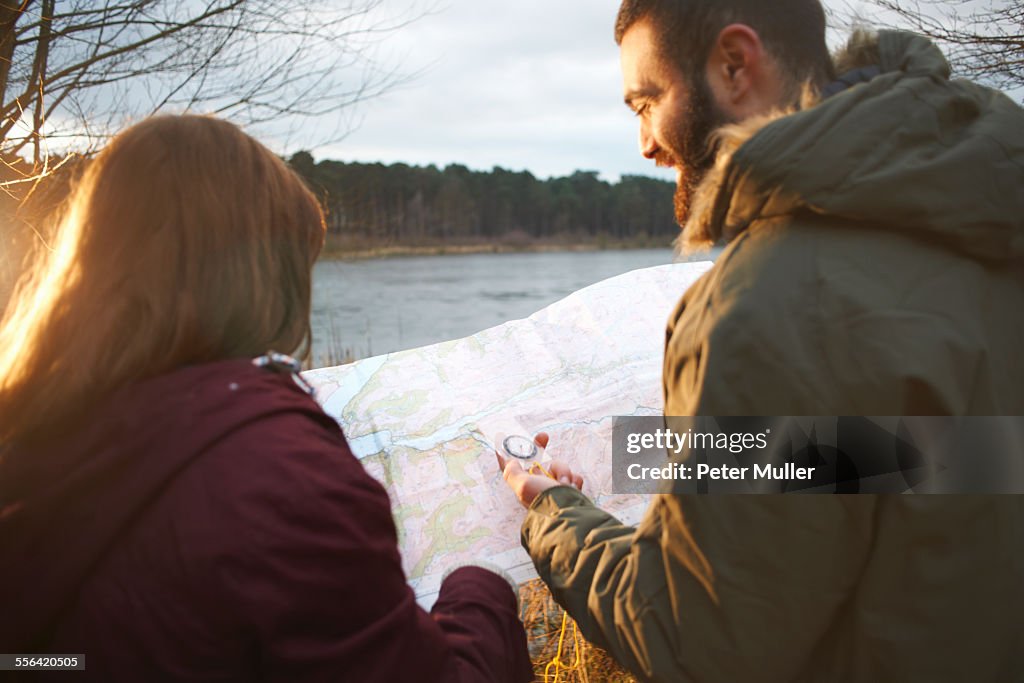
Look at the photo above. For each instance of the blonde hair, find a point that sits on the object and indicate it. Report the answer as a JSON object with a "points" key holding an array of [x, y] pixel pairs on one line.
{"points": [[186, 242]]}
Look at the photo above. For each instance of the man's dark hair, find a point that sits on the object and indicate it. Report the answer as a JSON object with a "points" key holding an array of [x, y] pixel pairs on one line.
{"points": [[793, 31]]}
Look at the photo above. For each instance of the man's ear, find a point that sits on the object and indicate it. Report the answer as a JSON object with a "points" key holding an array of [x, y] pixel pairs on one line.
{"points": [[736, 69]]}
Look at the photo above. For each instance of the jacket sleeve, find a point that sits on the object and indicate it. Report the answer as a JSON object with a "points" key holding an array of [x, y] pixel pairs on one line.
{"points": [[707, 587], [478, 613], [313, 568]]}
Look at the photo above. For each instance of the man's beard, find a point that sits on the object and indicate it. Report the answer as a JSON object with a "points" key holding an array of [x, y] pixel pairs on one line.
{"points": [[691, 150]]}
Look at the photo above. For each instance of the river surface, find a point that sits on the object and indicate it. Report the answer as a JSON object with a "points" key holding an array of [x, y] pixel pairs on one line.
{"points": [[366, 308]]}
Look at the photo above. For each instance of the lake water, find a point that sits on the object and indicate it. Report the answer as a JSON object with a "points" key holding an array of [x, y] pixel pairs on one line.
{"points": [[366, 308]]}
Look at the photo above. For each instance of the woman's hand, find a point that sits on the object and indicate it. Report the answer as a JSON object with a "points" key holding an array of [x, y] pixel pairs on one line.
{"points": [[528, 486]]}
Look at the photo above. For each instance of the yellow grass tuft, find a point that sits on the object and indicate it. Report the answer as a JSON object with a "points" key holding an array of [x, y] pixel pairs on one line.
{"points": [[542, 618]]}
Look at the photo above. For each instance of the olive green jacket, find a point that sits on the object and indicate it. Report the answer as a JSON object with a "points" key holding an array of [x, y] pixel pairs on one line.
{"points": [[875, 266]]}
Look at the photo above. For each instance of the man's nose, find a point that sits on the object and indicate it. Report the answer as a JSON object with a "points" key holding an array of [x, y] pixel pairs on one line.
{"points": [[648, 147]]}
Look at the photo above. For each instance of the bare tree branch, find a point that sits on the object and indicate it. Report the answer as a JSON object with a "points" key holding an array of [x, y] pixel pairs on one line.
{"points": [[983, 39], [83, 68], [74, 72]]}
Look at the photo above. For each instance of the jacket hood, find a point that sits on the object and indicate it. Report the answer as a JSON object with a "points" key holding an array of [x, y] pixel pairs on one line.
{"points": [[63, 505], [909, 150]]}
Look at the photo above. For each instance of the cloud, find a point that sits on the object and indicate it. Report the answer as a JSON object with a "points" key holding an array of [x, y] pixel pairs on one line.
{"points": [[527, 85]]}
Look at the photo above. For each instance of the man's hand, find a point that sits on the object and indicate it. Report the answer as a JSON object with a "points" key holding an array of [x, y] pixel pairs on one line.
{"points": [[528, 486]]}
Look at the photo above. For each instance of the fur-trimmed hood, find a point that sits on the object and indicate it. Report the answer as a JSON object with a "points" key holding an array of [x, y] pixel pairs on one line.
{"points": [[909, 150]]}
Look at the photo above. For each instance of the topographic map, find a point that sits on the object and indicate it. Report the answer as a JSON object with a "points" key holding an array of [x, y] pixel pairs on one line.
{"points": [[423, 422]]}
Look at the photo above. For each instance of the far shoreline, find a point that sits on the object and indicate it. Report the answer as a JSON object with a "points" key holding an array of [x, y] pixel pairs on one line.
{"points": [[400, 251]]}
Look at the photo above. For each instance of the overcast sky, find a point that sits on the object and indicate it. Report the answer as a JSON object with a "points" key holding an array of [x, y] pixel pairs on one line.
{"points": [[530, 85]]}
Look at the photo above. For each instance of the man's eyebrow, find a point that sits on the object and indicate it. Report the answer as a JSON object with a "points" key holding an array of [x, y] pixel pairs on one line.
{"points": [[635, 94]]}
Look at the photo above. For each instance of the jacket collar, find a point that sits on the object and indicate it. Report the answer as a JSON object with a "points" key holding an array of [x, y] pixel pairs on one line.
{"points": [[715, 218]]}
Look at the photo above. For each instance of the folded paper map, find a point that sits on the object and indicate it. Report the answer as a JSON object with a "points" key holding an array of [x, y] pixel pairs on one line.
{"points": [[423, 422]]}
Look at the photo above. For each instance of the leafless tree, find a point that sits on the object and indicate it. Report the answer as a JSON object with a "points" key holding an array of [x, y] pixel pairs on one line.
{"points": [[76, 70], [983, 39], [72, 72]]}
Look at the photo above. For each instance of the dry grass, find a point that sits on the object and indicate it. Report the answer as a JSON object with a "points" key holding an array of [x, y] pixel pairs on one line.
{"points": [[542, 618], [338, 247], [329, 352]]}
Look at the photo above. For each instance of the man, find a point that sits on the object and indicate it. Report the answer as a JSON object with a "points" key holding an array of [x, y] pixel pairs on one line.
{"points": [[875, 245]]}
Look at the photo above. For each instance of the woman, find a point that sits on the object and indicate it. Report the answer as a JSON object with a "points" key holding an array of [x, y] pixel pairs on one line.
{"points": [[170, 509]]}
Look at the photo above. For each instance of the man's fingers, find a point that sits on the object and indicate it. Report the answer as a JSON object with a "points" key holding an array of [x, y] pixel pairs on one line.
{"points": [[501, 461], [564, 474], [512, 470], [542, 439], [560, 471]]}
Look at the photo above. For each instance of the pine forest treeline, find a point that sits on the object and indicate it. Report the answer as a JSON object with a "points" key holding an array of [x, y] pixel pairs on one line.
{"points": [[376, 204], [396, 206]]}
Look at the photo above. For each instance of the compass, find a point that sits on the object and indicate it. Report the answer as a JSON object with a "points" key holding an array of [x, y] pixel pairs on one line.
{"points": [[520, 447]]}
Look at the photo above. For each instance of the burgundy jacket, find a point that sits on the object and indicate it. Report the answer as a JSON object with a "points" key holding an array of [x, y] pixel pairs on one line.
{"points": [[213, 525]]}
